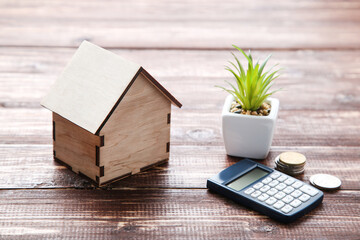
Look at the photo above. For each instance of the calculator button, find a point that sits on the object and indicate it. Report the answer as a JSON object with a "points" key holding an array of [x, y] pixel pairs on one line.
{"points": [[249, 190], [273, 183], [289, 181], [256, 194], [279, 204], [281, 186], [304, 197], [295, 203], [275, 175], [288, 190], [272, 191], [296, 193], [265, 188], [286, 209], [258, 185], [263, 197], [309, 190], [297, 184], [287, 199], [271, 200], [282, 178], [280, 195], [266, 180]]}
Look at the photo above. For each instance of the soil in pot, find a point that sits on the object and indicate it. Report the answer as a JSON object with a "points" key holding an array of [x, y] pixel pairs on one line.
{"points": [[264, 109]]}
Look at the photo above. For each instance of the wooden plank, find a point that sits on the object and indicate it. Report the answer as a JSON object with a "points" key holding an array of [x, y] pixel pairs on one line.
{"points": [[90, 85], [163, 214], [284, 24], [137, 132], [72, 149], [203, 127], [188, 167], [82, 136], [26, 74]]}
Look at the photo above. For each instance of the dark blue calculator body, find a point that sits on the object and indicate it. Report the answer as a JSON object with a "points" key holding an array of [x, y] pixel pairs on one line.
{"points": [[266, 190]]}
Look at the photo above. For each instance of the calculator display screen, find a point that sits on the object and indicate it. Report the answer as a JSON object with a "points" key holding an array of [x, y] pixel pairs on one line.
{"points": [[247, 179]]}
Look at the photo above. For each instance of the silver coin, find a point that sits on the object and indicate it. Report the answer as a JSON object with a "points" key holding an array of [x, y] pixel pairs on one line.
{"points": [[325, 181]]}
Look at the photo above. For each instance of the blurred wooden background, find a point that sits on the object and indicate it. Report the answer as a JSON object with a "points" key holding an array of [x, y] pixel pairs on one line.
{"points": [[184, 44]]}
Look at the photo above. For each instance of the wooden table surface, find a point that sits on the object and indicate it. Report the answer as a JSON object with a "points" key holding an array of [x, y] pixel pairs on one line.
{"points": [[184, 44]]}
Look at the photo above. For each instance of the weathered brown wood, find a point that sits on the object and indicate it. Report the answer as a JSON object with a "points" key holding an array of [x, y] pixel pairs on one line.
{"points": [[137, 132], [203, 127], [185, 24], [163, 214], [188, 167], [323, 80], [318, 116]]}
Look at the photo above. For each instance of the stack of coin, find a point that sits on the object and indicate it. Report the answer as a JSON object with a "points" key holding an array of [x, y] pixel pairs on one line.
{"points": [[325, 181], [291, 163]]}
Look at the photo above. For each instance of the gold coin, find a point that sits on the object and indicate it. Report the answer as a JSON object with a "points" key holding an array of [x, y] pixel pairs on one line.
{"points": [[292, 158]]}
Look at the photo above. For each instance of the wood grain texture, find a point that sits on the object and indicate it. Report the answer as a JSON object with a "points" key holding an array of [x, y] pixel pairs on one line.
{"points": [[90, 85], [184, 45], [163, 214], [177, 24], [323, 80], [188, 167], [137, 132], [202, 127], [75, 147]]}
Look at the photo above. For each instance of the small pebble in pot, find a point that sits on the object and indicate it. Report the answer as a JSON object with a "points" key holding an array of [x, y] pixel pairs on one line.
{"points": [[239, 111], [254, 113], [248, 112], [239, 106]]}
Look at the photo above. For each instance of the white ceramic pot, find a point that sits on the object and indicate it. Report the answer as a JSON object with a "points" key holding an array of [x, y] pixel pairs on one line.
{"points": [[246, 135]]}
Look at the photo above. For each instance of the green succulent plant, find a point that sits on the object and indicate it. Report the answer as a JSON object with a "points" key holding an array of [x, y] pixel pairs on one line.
{"points": [[253, 85]]}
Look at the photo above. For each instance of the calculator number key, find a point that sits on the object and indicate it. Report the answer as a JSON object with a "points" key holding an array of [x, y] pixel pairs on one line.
{"points": [[271, 200], [297, 184], [256, 194], [282, 178], [263, 197], [249, 191], [287, 209], [281, 186], [272, 191], [288, 190], [258, 185], [296, 193], [280, 195], [265, 188], [275, 175], [304, 197], [274, 183], [266, 180], [279, 204], [295, 203], [287, 199], [289, 181]]}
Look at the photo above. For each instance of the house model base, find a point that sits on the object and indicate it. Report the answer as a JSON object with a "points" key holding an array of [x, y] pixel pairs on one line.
{"points": [[111, 118]]}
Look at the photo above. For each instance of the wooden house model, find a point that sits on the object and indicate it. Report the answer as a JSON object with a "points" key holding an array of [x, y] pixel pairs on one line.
{"points": [[111, 118]]}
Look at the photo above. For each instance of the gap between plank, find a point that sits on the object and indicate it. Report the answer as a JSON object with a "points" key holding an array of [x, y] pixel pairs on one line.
{"points": [[195, 48]]}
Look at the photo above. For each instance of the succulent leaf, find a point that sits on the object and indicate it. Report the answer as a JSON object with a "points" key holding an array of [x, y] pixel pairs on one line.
{"points": [[252, 86]]}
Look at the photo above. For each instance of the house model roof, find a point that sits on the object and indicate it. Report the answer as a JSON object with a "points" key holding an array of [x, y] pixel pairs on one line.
{"points": [[92, 85]]}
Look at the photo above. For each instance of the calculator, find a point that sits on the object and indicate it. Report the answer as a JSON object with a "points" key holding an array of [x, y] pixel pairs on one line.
{"points": [[266, 190]]}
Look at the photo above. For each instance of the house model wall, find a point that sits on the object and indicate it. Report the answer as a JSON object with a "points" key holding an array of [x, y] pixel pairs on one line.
{"points": [[111, 118]]}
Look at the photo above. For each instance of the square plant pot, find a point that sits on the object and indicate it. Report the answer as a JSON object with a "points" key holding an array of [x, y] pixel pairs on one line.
{"points": [[247, 135]]}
